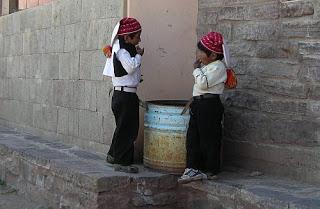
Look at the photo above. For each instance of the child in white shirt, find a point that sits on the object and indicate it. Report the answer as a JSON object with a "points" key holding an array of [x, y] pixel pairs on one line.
{"points": [[205, 130]]}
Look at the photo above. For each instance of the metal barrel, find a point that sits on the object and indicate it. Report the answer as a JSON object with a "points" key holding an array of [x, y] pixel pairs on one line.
{"points": [[165, 135]]}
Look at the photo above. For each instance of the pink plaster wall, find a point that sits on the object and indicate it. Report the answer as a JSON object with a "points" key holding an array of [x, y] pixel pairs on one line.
{"points": [[169, 38]]}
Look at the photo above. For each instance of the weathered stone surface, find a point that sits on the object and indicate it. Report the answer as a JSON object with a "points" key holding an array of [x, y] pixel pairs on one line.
{"points": [[257, 31], [296, 8], [290, 88], [300, 29], [68, 177]]}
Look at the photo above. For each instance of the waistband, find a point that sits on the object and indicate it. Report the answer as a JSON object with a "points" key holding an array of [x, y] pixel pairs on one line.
{"points": [[206, 96], [125, 89]]}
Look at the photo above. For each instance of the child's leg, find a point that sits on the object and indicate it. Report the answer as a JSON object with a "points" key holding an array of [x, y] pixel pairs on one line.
{"points": [[125, 107], [210, 133], [192, 143]]}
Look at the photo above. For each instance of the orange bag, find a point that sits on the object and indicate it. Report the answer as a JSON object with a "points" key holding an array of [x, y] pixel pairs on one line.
{"points": [[231, 81], [107, 51]]}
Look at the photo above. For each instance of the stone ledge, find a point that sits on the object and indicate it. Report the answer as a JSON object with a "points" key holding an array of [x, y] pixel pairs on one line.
{"points": [[68, 177], [239, 189]]}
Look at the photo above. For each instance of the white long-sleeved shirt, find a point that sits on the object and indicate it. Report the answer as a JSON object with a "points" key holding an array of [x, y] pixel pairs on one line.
{"points": [[209, 78], [130, 64]]}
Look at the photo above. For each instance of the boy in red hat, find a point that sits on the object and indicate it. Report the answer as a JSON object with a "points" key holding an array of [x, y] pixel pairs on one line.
{"points": [[206, 110], [123, 65]]}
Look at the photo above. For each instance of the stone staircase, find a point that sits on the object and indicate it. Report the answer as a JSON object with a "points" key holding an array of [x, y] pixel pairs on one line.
{"points": [[58, 176]]}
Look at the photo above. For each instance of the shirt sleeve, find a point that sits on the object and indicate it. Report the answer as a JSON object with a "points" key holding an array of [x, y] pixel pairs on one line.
{"points": [[130, 64], [208, 77]]}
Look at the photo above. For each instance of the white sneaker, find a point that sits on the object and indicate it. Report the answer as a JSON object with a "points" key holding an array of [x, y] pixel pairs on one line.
{"points": [[191, 174]]}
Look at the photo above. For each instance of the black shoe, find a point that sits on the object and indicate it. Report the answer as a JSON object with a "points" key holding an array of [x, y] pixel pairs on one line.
{"points": [[110, 159], [126, 168]]}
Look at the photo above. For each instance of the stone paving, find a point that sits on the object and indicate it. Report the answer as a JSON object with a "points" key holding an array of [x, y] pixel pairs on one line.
{"points": [[45, 174]]}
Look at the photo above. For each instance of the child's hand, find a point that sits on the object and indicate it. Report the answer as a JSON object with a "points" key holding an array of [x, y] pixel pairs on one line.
{"points": [[197, 64], [140, 50]]}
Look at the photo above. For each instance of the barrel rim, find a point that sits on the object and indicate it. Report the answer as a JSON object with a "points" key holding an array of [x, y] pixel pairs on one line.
{"points": [[168, 102]]}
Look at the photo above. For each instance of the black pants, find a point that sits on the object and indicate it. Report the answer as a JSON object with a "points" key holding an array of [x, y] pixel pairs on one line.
{"points": [[125, 107], [204, 135]]}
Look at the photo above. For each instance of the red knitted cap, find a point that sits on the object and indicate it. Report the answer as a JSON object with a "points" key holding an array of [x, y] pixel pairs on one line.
{"points": [[213, 41], [128, 25]]}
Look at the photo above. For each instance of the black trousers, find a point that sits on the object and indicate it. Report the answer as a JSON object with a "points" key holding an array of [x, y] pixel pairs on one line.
{"points": [[204, 135], [125, 107]]}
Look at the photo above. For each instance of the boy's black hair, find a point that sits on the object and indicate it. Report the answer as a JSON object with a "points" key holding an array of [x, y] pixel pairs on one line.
{"points": [[208, 52]]}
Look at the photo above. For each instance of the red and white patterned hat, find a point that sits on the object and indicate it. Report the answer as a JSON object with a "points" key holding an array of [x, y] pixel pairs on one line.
{"points": [[128, 25], [213, 41]]}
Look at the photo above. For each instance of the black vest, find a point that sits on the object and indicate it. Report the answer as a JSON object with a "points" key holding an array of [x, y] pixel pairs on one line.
{"points": [[119, 71]]}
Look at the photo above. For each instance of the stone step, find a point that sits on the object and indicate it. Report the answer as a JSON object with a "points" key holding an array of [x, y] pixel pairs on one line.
{"points": [[240, 189], [60, 176], [67, 177]]}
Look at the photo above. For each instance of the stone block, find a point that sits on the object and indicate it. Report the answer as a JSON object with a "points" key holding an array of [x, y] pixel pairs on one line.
{"points": [[55, 39], [315, 92], [90, 124], [247, 82], [16, 47], [66, 12], [62, 92], [314, 108], [32, 89], [63, 121], [262, 11], [231, 13], [294, 131], [34, 42], [296, 8], [18, 89], [1, 45], [243, 99], [90, 93], [4, 91], [100, 9], [284, 87], [270, 49], [78, 98], [50, 66], [208, 17], [305, 28], [309, 74], [73, 122], [69, 65], [281, 68], [225, 29], [31, 65], [45, 92], [72, 38], [284, 106], [3, 67], [309, 48], [13, 67], [86, 64], [103, 97], [45, 117], [257, 31]]}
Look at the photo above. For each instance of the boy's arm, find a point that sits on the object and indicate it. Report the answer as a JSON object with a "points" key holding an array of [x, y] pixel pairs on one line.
{"points": [[209, 78], [130, 64]]}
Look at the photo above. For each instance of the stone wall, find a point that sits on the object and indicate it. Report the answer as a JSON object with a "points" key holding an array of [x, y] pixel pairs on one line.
{"points": [[51, 70], [272, 119]]}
